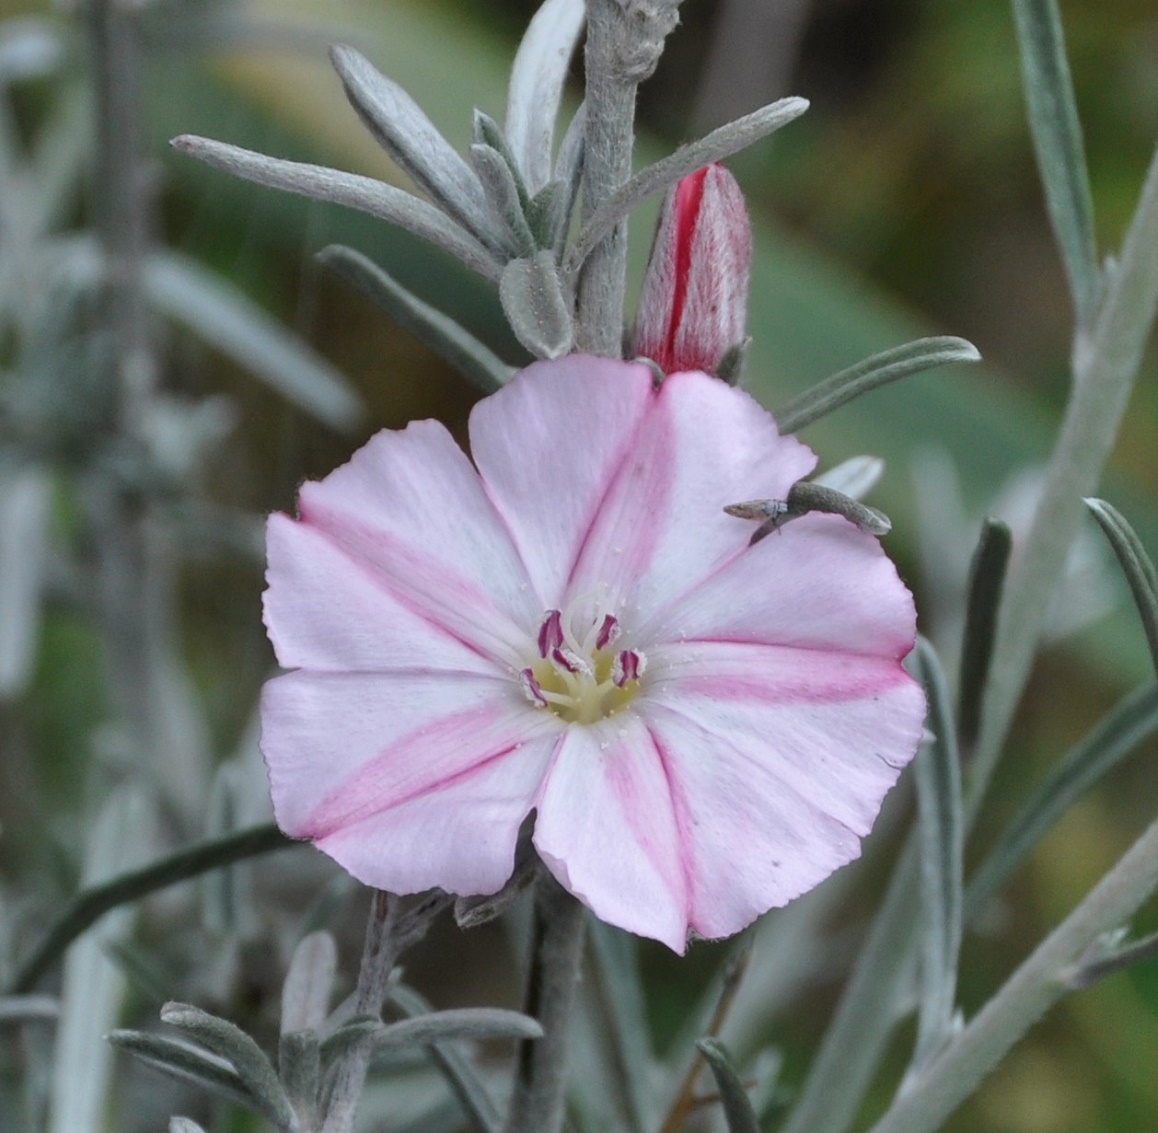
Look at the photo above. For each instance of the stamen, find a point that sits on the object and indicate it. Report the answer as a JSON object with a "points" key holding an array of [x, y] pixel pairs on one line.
{"points": [[570, 660], [550, 632], [608, 632], [629, 665], [532, 689]]}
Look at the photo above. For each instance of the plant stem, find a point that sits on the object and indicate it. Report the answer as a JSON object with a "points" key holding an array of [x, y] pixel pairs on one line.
{"points": [[1105, 364], [89, 905], [556, 956], [379, 954], [1039, 983], [624, 42]]}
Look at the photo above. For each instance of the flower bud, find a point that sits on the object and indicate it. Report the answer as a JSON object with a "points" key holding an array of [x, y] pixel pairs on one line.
{"points": [[693, 307]]}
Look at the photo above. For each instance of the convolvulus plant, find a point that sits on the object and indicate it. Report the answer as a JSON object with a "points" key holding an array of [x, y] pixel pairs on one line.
{"points": [[623, 666]]}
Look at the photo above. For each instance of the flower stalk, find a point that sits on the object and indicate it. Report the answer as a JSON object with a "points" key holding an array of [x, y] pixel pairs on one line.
{"points": [[552, 981], [624, 42]]}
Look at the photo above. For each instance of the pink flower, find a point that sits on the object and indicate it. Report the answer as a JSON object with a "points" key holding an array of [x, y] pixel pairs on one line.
{"points": [[694, 304], [572, 625]]}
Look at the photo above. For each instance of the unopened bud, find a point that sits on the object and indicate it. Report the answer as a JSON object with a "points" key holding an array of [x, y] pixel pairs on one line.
{"points": [[693, 308]]}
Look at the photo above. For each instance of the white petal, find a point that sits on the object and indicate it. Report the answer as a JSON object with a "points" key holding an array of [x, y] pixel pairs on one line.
{"points": [[607, 830], [410, 508]]}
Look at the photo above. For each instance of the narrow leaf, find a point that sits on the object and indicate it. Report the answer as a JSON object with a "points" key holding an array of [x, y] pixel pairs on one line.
{"points": [[536, 307], [351, 190], [299, 1065], [738, 1111], [228, 319], [451, 342], [1133, 720], [410, 138], [26, 1008], [93, 987], [1136, 565], [986, 580], [92, 903], [1057, 139], [879, 370], [305, 995], [188, 1063], [468, 1087], [503, 192], [941, 825], [231, 1043], [1116, 959], [454, 1025], [855, 477], [658, 178], [569, 163], [536, 87], [25, 527]]}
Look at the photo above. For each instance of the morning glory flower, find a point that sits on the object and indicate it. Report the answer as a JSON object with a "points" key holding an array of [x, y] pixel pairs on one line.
{"points": [[567, 622]]}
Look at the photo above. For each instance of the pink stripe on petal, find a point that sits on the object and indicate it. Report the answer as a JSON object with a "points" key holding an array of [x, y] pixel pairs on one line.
{"points": [[841, 753], [411, 504], [819, 583], [427, 762], [461, 838], [607, 830], [322, 732], [548, 445], [662, 529], [752, 842], [326, 610]]}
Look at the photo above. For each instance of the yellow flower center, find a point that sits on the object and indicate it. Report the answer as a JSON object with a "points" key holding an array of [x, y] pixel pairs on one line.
{"points": [[581, 676]]}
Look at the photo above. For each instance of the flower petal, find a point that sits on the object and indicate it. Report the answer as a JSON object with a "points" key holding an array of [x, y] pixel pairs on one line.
{"points": [[412, 510], [548, 446], [778, 758], [662, 528], [327, 610], [356, 758], [460, 837], [818, 583], [606, 829]]}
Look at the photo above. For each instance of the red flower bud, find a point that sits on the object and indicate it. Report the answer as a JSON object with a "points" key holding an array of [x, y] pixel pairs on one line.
{"points": [[693, 307]]}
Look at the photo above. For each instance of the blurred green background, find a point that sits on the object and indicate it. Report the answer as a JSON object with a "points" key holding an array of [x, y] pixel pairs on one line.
{"points": [[905, 202]]}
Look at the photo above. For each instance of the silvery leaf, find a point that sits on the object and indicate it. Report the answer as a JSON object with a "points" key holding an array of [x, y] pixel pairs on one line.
{"points": [[536, 86], [658, 178], [231, 1043], [25, 520], [855, 477], [536, 305], [188, 1063], [479, 365], [305, 996], [410, 138], [228, 319], [503, 194], [362, 193]]}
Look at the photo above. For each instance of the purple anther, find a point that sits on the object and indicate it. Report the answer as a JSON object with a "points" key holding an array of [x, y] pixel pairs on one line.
{"points": [[531, 687], [629, 665], [550, 633], [608, 632]]}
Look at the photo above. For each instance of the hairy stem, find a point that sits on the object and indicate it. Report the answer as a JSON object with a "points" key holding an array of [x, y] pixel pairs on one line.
{"points": [[556, 955]]}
